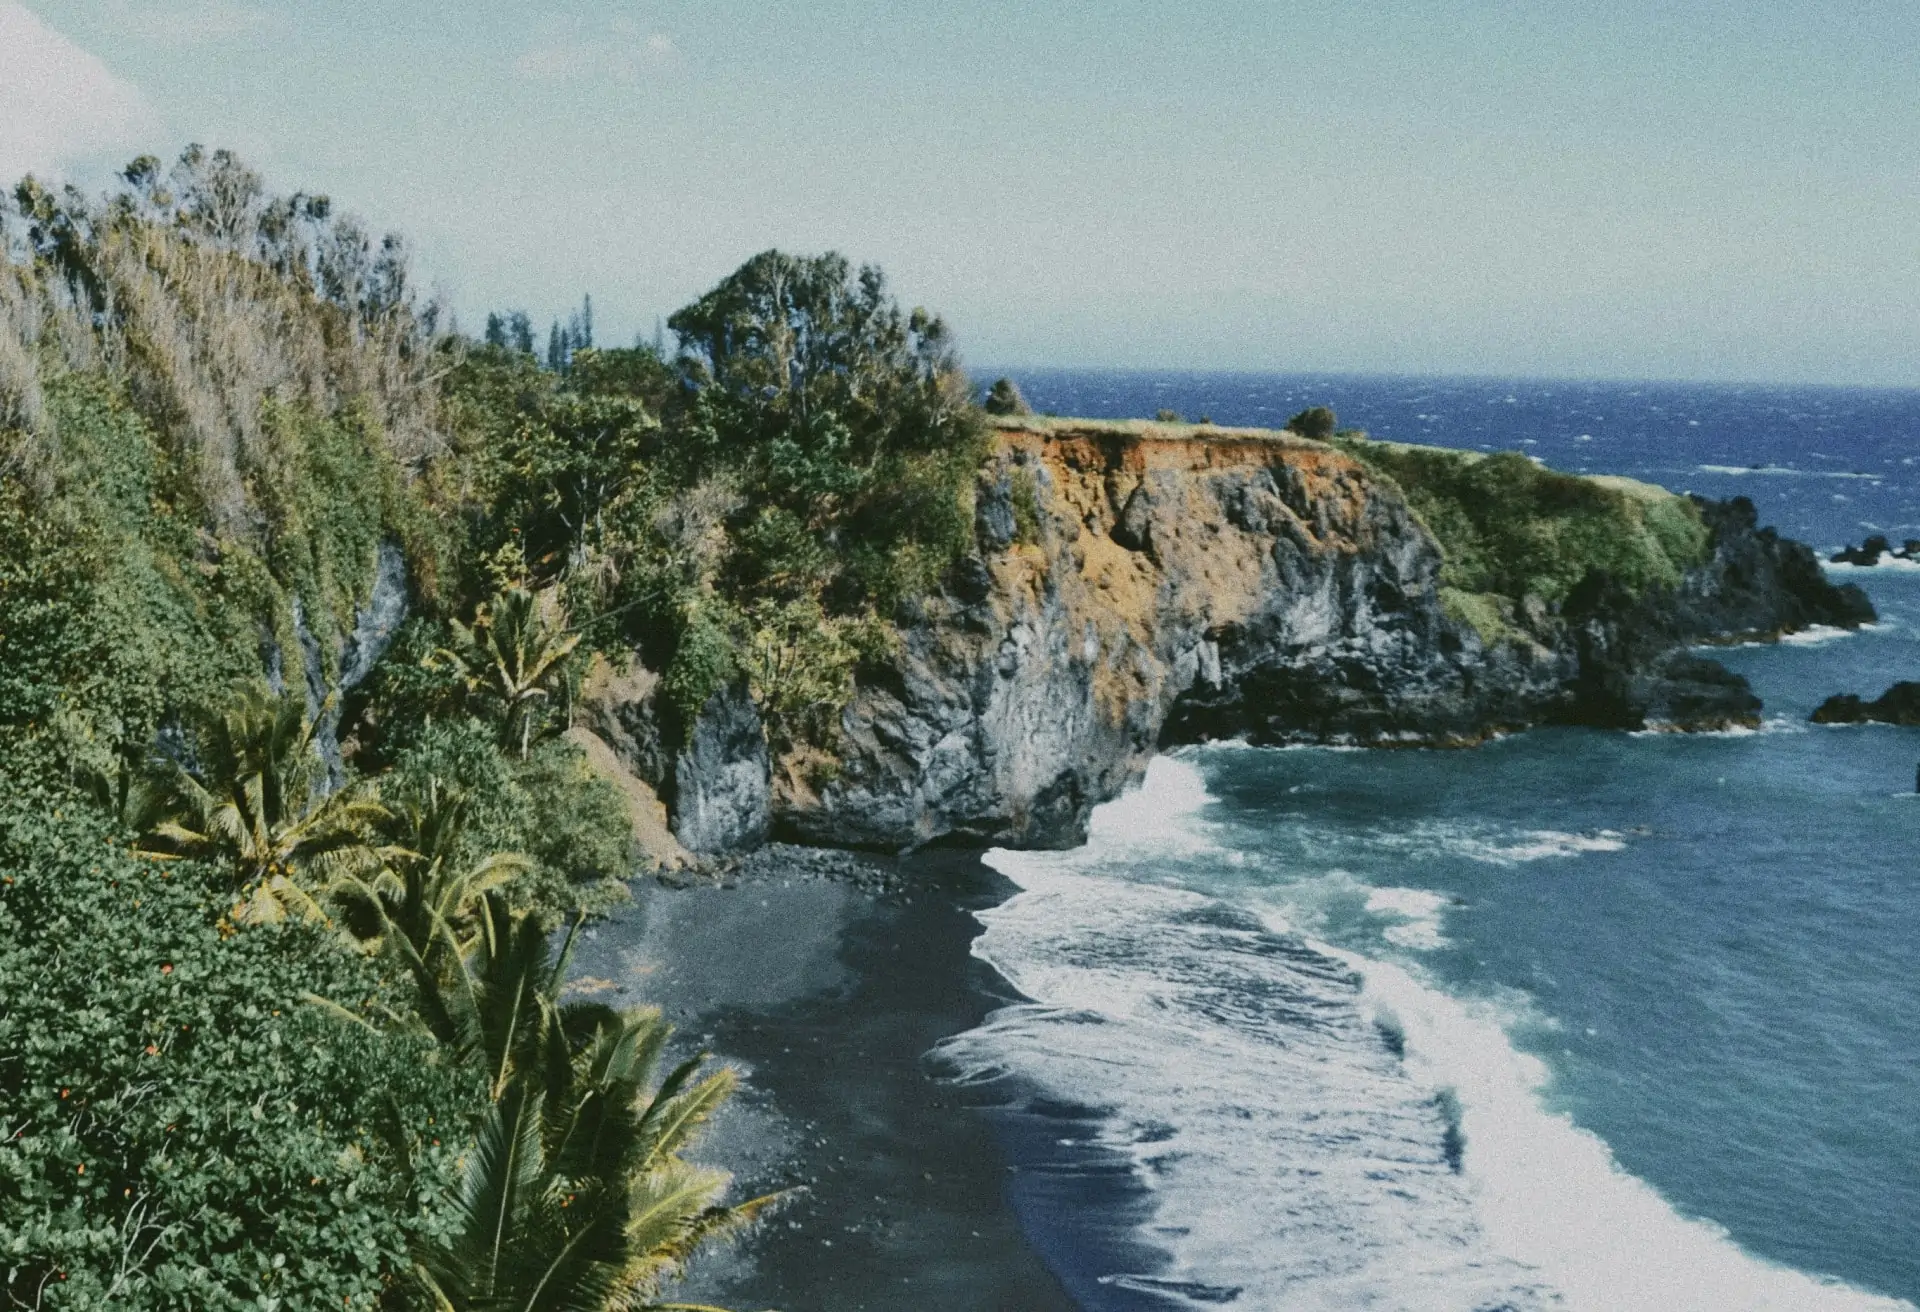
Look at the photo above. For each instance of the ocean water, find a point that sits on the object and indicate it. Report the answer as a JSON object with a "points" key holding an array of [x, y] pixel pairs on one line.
{"points": [[1570, 1020]]}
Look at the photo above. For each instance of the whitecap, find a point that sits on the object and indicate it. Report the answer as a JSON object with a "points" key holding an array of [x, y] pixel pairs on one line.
{"points": [[1886, 562], [1417, 912]]}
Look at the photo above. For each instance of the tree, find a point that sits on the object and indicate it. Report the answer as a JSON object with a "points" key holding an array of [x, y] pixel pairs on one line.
{"points": [[423, 882], [575, 1195], [1317, 423], [812, 358], [254, 801], [513, 655], [1004, 398]]}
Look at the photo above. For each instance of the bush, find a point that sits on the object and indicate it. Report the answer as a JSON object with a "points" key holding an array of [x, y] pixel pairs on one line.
{"points": [[1317, 422], [183, 1129], [1004, 398], [550, 807]]}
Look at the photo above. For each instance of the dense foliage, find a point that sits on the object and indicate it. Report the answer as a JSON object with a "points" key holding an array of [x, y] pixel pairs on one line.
{"points": [[754, 508], [1513, 530], [179, 1128], [218, 409]]}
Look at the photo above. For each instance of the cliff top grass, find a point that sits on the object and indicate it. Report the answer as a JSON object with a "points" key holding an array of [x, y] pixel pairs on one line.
{"points": [[1516, 536], [1152, 429]]}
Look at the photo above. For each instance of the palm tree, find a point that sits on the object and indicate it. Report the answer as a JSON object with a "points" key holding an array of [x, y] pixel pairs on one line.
{"points": [[254, 801], [423, 882], [514, 652], [575, 1197]]}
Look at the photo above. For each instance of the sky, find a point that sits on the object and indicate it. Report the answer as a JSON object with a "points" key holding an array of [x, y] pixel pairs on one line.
{"points": [[1710, 189]]}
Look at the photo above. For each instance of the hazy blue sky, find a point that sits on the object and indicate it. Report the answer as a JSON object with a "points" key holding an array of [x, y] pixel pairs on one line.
{"points": [[1689, 188]]}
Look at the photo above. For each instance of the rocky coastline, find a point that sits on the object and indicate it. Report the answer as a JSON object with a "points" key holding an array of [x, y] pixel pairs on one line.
{"points": [[1136, 587]]}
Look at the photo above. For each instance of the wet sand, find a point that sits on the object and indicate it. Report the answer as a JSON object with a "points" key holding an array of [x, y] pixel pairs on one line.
{"points": [[827, 997]]}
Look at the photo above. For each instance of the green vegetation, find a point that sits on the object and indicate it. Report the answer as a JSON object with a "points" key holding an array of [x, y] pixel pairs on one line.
{"points": [[1514, 532], [1004, 398], [1317, 422], [252, 987], [756, 507], [279, 1022]]}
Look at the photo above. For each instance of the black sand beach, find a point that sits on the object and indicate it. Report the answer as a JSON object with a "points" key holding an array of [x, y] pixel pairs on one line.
{"points": [[826, 995]]}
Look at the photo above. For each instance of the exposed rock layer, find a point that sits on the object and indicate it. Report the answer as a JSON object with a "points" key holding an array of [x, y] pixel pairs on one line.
{"points": [[1136, 588]]}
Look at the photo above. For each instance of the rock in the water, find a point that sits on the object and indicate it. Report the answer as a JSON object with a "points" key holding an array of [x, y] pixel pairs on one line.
{"points": [[721, 794], [1876, 549], [1899, 704], [1867, 553]]}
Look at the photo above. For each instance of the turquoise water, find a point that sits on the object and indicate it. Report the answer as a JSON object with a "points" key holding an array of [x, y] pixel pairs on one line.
{"points": [[1710, 942], [1573, 1019]]}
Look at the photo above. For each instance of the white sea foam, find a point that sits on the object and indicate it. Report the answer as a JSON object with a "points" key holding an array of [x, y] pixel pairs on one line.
{"points": [[1418, 912], [1886, 562], [1817, 635], [1498, 846], [1550, 1195], [1251, 1078], [1780, 471]]}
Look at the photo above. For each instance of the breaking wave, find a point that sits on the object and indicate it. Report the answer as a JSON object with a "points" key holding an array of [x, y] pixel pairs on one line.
{"points": [[1313, 1128]]}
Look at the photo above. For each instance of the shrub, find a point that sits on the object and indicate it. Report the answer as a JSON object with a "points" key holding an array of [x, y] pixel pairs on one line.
{"points": [[1513, 529], [183, 1129], [1004, 398], [1317, 422], [551, 807]]}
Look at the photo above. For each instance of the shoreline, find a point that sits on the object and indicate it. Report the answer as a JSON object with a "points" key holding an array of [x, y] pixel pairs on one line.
{"points": [[826, 978]]}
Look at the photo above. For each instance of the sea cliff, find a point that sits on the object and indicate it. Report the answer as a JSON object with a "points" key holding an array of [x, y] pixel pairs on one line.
{"points": [[1136, 586]]}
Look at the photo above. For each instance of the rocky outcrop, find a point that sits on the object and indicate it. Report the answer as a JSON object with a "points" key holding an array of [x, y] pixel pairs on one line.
{"points": [[721, 786], [1137, 586], [1172, 588], [355, 652], [1899, 704], [1876, 548]]}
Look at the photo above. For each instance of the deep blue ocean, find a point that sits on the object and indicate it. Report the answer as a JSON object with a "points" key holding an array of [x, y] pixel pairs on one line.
{"points": [[1572, 1019]]}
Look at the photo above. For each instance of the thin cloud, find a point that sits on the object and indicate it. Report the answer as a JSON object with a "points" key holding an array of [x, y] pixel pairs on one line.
{"points": [[60, 105], [201, 22], [623, 52]]}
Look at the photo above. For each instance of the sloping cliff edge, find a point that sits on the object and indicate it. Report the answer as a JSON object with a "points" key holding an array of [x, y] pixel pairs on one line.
{"points": [[1137, 586]]}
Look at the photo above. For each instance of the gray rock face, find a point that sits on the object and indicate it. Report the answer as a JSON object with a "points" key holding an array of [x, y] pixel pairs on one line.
{"points": [[1263, 588], [720, 794], [356, 651], [1179, 589]]}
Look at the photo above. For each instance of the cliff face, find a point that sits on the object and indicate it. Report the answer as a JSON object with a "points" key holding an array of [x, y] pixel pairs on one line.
{"points": [[1139, 586]]}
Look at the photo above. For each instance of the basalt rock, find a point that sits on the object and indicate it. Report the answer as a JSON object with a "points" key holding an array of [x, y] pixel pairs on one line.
{"points": [[1899, 704], [720, 789], [1137, 587], [1876, 548], [1250, 585]]}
